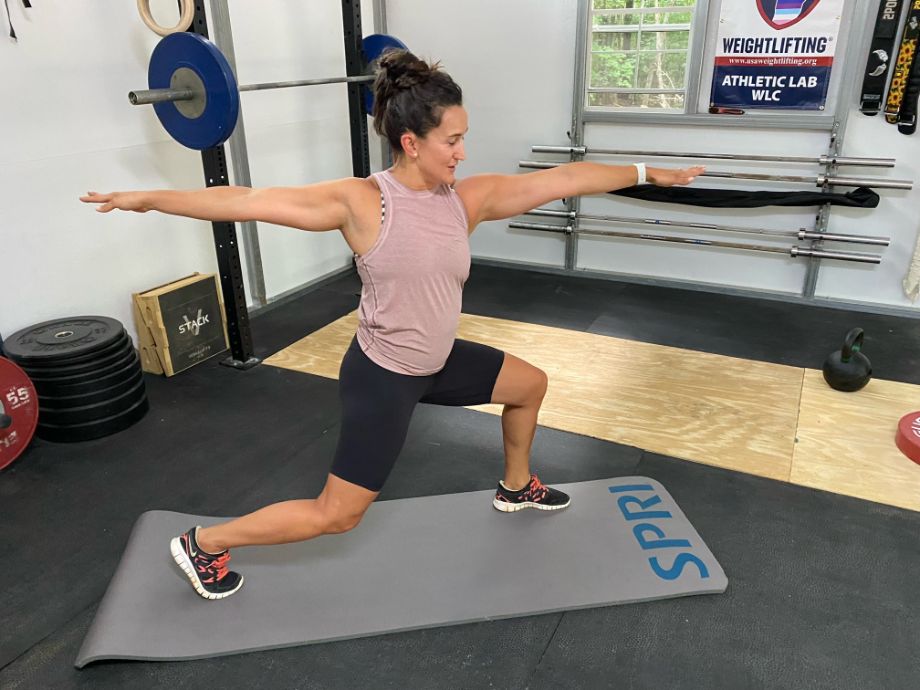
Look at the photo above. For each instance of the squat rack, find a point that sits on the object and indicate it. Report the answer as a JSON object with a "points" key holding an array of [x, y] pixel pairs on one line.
{"points": [[214, 162]]}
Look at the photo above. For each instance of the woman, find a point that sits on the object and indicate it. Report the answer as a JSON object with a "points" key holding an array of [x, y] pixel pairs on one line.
{"points": [[409, 229]]}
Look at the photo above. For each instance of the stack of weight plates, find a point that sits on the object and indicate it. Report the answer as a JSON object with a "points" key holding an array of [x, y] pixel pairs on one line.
{"points": [[86, 373]]}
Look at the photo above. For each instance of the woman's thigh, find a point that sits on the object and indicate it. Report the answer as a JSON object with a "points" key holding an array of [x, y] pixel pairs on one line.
{"points": [[377, 406], [468, 377]]}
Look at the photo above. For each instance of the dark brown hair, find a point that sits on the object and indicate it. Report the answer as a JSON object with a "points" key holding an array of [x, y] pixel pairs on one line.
{"points": [[410, 95]]}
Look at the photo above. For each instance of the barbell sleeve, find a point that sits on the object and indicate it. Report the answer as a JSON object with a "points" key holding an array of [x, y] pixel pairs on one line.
{"points": [[836, 237], [864, 182], [842, 256], [147, 96], [821, 160], [854, 161]]}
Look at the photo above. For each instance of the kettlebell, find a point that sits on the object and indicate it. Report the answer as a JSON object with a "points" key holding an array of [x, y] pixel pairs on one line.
{"points": [[848, 369]]}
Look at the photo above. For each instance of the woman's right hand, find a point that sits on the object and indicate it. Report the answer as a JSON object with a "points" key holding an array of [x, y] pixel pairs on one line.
{"points": [[123, 201]]}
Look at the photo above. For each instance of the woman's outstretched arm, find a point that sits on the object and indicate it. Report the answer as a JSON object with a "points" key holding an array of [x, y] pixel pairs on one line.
{"points": [[323, 206], [495, 197]]}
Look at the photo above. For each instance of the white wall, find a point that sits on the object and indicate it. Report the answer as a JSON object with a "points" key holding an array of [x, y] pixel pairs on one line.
{"points": [[515, 61], [68, 128]]}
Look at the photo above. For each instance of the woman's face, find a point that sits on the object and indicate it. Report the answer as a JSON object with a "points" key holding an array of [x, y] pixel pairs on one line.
{"points": [[442, 149]]}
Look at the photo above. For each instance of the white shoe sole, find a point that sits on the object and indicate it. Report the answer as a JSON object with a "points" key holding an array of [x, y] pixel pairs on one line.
{"points": [[514, 507], [182, 560]]}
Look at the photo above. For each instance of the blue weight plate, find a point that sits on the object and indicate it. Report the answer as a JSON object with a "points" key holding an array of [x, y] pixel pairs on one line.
{"points": [[215, 125], [374, 46]]}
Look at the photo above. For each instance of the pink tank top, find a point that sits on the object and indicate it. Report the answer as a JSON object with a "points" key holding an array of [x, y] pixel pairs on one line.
{"points": [[413, 278]]}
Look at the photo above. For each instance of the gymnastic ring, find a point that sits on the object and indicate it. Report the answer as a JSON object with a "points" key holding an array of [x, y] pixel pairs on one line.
{"points": [[187, 14]]}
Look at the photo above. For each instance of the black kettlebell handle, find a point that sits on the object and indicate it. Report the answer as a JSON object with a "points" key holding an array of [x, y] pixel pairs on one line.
{"points": [[851, 344]]}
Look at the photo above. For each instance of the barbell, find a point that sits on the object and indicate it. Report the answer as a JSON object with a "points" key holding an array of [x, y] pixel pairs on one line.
{"points": [[794, 251], [818, 181], [195, 95], [801, 234], [820, 160]]}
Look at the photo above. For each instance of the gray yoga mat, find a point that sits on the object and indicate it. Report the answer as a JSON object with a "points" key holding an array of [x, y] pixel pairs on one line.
{"points": [[412, 563]]}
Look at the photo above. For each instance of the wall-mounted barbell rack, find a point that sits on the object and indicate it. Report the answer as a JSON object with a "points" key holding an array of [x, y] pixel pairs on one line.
{"points": [[831, 122], [816, 237]]}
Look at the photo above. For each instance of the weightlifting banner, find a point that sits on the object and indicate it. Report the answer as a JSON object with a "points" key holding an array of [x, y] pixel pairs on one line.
{"points": [[775, 53]]}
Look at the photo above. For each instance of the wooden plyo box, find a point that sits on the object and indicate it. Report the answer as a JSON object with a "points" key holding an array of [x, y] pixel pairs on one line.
{"points": [[180, 324]]}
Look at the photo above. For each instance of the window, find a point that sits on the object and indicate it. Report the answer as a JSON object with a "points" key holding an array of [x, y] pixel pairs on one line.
{"points": [[639, 52]]}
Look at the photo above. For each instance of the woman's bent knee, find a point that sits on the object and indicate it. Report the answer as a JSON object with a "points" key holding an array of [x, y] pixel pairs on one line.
{"points": [[342, 522], [542, 383], [342, 505], [537, 384]]}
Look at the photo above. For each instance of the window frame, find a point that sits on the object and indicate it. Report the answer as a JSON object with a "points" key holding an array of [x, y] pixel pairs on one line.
{"points": [[854, 34], [640, 29]]}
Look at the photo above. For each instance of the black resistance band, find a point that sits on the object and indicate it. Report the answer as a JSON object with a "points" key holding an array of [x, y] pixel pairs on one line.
{"points": [[861, 197]]}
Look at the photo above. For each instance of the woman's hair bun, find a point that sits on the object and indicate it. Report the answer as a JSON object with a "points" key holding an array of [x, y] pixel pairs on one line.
{"points": [[403, 70]]}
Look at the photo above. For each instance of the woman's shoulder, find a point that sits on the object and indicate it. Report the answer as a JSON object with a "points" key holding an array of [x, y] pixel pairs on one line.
{"points": [[360, 191]]}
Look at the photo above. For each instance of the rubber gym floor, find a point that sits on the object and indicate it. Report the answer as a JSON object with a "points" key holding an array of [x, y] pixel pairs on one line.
{"points": [[823, 589]]}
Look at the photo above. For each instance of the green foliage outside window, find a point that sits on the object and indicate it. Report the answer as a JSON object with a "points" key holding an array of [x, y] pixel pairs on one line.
{"points": [[638, 54]]}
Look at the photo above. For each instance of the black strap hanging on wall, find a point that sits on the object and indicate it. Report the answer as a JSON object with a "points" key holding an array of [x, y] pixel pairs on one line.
{"points": [[9, 17], [907, 115], [905, 59], [861, 197], [880, 54]]}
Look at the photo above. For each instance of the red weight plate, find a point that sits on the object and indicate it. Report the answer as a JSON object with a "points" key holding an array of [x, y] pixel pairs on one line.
{"points": [[18, 411], [908, 438]]}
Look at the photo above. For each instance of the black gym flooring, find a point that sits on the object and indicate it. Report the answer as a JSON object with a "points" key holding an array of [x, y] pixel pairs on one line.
{"points": [[824, 590]]}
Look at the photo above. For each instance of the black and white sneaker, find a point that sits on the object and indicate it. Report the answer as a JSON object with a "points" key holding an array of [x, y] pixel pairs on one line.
{"points": [[534, 495], [206, 571]]}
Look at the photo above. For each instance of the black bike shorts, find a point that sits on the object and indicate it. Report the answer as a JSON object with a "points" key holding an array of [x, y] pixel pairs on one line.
{"points": [[377, 405]]}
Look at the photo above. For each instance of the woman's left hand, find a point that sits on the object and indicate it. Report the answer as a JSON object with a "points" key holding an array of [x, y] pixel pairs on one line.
{"points": [[667, 177]]}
